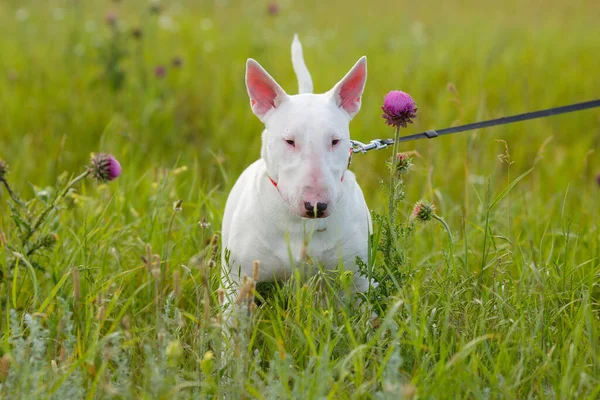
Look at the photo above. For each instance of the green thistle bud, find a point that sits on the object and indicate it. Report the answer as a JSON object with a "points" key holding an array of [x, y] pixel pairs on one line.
{"points": [[48, 241], [403, 163], [423, 211]]}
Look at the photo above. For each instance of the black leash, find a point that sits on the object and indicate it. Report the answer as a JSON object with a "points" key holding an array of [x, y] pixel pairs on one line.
{"points": [[359, 147]]}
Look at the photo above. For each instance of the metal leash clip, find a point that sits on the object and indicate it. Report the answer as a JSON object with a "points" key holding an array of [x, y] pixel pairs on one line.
{"points": [[376, 144]]}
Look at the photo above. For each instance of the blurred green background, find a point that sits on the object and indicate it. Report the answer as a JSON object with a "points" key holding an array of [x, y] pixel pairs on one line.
{"points": [[78, 77]]}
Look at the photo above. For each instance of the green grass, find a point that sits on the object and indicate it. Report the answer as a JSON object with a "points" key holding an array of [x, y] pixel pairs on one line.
{"points": [[517, 318]]}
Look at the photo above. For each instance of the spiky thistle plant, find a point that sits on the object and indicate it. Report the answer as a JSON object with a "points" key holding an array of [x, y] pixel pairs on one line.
{"points": [[389, 272], [33, 236]]}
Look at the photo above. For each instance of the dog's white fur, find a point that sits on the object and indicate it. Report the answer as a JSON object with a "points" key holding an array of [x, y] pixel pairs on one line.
{"points": [[266, 212]]}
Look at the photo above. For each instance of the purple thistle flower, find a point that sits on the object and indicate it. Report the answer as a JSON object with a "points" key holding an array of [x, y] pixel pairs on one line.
{"points": [[399, 109], [273, 8], [104, 167], [160, 71], [111, 18], [598, 179], [423, 211]]}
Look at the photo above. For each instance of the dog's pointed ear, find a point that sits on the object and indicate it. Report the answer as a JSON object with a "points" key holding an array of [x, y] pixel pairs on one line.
{"points": [[265, 94], [347, 92]]}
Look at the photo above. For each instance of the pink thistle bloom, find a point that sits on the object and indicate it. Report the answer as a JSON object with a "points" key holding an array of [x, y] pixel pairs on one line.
{"points": [[111, 18], [160, 71], [104, 167], [273, 8], [399, 109]]}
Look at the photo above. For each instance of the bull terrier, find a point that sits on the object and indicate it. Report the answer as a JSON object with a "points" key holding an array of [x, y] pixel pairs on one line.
{"points": [[299, 200]]}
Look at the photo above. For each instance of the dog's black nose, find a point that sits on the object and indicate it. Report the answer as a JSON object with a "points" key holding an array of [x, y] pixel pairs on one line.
{"points": [[313, 211], [310, 207]]}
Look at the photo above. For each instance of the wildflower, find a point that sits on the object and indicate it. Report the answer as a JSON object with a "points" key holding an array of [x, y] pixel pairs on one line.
{"points": [[3, 169], [177, 206], [137, 33], [204, 224], [111, 18], [273, 8], [155, 8], [598, 179], [399, 109], [105, 167], [160, 71], [423, 211], [177, 62], [403, 163]]}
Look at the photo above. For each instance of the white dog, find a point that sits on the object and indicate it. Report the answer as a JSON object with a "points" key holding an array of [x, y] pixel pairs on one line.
{"points": [[298, 200]]}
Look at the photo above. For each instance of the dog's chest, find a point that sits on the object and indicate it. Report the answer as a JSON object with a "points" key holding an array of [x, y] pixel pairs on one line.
{"points": [[280, 253], [317, 244]]}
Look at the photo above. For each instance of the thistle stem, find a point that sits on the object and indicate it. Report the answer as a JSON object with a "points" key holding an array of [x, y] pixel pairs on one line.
{"points": [[12, 194], [54, 203], [450, 240], [392, 199]]}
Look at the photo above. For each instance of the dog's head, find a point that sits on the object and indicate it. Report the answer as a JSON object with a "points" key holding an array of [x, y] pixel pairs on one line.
{"points": [[306, 143]]}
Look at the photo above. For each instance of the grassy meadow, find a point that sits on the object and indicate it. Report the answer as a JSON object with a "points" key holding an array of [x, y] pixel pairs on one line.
{"points": [[113, 294]]}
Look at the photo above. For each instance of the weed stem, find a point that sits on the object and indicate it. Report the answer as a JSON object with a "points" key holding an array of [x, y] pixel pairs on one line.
{"points": [[450, 240], [12, 194], [52, 206], [392, 199]]}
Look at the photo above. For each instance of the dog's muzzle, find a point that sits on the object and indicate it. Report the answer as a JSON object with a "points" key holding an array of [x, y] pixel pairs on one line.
{"points": [[316, 210]]}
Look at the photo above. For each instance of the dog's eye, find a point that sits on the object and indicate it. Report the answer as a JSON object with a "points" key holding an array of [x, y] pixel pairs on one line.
{"points": [[335, 141], [291, 142]]}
